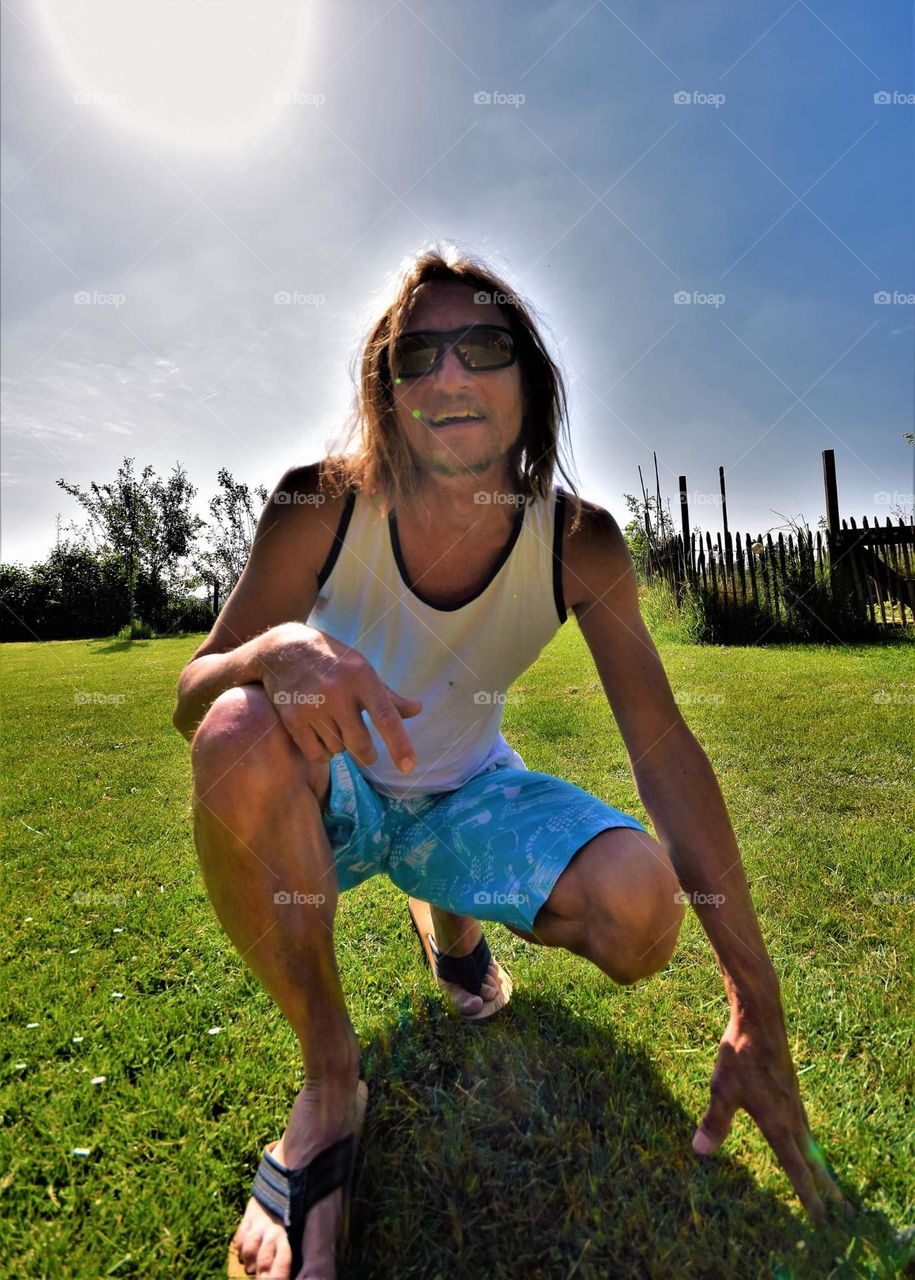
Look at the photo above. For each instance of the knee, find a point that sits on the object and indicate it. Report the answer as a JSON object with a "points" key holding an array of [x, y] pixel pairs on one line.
{"points": [[646, 919], [650, 947], [240, 744]]}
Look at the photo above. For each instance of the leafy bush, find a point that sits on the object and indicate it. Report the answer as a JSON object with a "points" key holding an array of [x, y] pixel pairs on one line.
{"points": [[188, 613], [810, 612], [77, 594], [136, 630], [670, 621], [72, 595]]}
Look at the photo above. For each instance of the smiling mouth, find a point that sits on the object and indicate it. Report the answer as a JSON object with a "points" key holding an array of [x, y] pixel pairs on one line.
{"points": [[462, 419]]}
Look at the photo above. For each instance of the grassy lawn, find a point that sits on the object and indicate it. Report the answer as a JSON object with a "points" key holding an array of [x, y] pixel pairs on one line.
{"points": [[552, 1143]]}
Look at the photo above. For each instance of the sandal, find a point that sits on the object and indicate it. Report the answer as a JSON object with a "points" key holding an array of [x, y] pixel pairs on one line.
{"points": [[290, 1193], [465, 971]]}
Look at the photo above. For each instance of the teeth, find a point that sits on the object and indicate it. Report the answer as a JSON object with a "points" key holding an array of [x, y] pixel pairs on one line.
{"points": [[451, 417]]}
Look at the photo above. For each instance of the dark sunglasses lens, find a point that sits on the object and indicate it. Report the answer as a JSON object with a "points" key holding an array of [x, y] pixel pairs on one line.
{"points": [[415, 355], [487, 349]]}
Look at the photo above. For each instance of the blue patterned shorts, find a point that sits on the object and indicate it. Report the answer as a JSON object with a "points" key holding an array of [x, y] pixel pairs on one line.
{"points": [[492, 849]]}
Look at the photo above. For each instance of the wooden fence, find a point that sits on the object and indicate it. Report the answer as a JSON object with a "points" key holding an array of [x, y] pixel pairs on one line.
{"points": [[873, 564], [871, 567]]}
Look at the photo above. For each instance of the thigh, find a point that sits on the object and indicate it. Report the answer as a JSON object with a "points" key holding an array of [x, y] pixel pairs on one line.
{"points": [[496, 847]]}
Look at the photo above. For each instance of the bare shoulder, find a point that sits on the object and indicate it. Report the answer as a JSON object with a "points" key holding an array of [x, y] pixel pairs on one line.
{"points": [[293, 538], [304, 511], [595, 557]]}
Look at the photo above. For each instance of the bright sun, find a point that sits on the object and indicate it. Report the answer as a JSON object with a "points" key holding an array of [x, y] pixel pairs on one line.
{"points": [[188, 72]]}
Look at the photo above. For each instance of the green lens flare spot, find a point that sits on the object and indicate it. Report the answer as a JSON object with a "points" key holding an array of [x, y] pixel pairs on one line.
{"points": [[417, 413], [814, 1153], [397, 382]]}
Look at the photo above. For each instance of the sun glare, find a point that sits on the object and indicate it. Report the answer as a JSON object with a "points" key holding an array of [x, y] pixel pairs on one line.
{"points": [[194, 73]]}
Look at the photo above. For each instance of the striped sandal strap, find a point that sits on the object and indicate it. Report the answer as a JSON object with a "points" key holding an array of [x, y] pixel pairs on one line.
{"points": [[290, 1193]]}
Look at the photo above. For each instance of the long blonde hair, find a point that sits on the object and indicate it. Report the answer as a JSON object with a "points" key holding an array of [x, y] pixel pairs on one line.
{"points": [[383, 462]]}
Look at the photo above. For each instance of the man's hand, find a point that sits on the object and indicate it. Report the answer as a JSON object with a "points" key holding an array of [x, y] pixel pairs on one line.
{"points": [[320, 686], [754, 1071]]}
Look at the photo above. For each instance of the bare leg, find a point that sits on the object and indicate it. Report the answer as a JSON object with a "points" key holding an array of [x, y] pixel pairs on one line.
{"points": [[615, 904], [259, 833], [457, 936]]}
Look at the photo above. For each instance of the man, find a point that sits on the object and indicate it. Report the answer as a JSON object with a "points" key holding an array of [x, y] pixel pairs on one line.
{"points": [[344, 716]]}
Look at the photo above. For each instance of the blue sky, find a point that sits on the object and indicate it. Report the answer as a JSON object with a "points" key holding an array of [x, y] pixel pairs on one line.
{"points": [[153, 169]]}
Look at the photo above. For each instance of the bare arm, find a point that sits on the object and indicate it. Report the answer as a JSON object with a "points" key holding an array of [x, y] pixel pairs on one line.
{"points": [[205, 678], [683, 798], [278, 586], [318, 685]]}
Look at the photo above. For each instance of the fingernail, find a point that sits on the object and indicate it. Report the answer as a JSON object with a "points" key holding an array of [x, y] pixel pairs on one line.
{"points": [[407, 763]]}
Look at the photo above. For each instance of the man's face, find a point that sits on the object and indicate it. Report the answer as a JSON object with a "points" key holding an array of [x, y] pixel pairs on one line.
{"points": [[496, 395]]}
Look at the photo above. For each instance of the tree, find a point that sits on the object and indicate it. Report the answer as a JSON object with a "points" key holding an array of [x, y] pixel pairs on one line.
{"points": [[146, 522], [234, 517], [637, 538]]}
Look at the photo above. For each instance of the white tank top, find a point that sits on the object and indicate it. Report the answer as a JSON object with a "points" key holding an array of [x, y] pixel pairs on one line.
{"points": [[459, 659]]}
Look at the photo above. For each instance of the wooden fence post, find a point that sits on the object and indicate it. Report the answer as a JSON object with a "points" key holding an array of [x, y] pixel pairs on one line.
{"points": [[684, 526], [840, 576], [728, 553]]}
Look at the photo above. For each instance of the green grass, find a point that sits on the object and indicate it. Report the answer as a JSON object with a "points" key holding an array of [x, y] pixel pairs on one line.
{"points": [[552, 1143]]}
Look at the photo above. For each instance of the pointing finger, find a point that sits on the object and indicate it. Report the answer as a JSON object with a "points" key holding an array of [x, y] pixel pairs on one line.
{"points": [[714, 1126]]}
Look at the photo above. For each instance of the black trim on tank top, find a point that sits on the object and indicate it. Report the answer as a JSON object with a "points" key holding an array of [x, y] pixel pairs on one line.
{"points": [[558, 523], [450, 608], [345, 516]]}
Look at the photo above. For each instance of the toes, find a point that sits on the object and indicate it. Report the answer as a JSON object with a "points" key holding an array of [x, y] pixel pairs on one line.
{"points": [[266, 1255], [249, 1251], [282, 1260], [491, 987], [469, 1003]]}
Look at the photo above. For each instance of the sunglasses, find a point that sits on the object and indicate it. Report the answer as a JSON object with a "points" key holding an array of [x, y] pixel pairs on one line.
{"points": [[477, 346]]}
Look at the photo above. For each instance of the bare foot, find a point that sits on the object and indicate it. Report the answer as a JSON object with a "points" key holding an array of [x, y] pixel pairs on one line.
{"points": [[497, 985], [322, 1113]]}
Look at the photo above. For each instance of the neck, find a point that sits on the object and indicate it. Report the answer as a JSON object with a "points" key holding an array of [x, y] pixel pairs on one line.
{"points": [[458, 499]]}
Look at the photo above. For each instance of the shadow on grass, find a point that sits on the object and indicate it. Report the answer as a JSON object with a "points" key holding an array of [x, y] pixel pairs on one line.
{"points": [[540, 1146], [120, 646]]}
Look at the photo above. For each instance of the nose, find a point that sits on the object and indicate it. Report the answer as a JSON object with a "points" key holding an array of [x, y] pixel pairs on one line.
{"points": [[449, 372]]}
